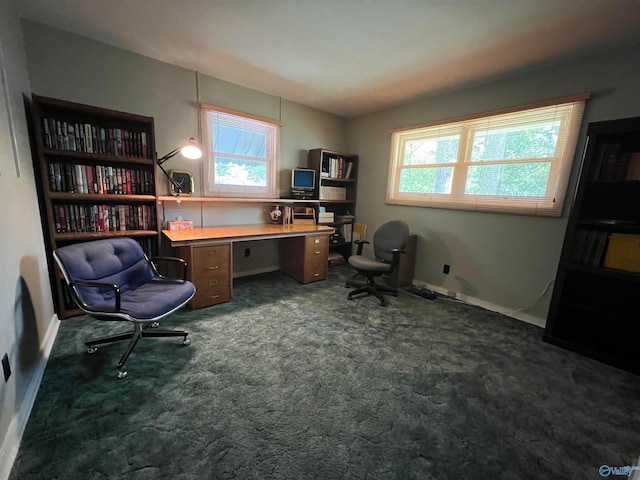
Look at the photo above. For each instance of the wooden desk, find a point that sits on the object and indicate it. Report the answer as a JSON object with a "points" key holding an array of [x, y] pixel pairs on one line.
{"points": [[208, 252]]}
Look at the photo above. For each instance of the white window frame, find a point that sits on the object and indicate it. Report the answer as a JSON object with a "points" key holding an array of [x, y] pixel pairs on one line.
{"points": [[210, 114], [568, 111]]}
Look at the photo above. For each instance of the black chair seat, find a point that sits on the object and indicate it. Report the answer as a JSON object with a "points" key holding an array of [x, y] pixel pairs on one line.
{"points": [[369, 265]]}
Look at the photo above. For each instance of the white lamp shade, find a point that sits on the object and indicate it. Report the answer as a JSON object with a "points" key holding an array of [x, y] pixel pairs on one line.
{"points": [[191, 150]]}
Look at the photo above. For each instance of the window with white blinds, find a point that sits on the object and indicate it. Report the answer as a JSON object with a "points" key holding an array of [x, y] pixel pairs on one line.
{"points": [[241, 154], [513, 162]]}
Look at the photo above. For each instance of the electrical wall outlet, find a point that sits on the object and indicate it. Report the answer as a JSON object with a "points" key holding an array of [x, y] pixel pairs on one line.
{"points": [[446, 269], [6, 368]]}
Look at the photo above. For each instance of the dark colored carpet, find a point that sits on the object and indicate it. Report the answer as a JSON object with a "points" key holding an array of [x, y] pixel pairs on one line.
{"points": [[293, 381]]}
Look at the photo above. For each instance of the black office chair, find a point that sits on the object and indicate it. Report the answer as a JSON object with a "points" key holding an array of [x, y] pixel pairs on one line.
{"points": [[112, 279], [388, 244]]}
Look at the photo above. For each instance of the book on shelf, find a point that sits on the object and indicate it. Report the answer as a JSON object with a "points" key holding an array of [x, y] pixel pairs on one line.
{"points": [[87, 140], [324, 167], [81, 141], [613, 164], [347, 175], [47, 133], [633, 170], [347, 231], [589, 247], [623, 252]]}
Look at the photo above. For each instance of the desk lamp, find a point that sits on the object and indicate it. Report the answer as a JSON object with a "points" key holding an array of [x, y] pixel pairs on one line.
{"points": [[189, 150]]}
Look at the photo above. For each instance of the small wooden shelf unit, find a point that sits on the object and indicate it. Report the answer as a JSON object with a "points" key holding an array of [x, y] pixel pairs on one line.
{"points": [[335, 191]]}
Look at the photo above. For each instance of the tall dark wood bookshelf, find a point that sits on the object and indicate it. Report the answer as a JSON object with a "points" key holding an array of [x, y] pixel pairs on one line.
{"points": [[95, 177], [594, 309], [335, 189]]}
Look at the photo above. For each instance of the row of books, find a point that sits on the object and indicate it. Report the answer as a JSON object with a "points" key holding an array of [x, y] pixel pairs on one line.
{"points": [[612, 164], [89, 138], [103, 218], [336, 167], [78, 178], [590, 247]]}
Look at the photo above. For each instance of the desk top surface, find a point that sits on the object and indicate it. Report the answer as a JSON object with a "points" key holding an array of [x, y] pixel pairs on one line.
{"points": [[244, 232]]}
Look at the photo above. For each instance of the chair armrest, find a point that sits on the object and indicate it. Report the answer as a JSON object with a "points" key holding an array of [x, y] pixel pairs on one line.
{"points": [[110, 286], [361, 244], [174, 260], [396, 258]]}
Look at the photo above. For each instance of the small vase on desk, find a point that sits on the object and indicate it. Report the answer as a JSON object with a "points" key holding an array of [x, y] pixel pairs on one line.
{"points": [[275, 214]]}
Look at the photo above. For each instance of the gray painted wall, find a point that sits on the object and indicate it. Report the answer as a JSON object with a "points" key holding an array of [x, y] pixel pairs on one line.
{"points": [[27, 321], [78, 69], [501, 261], [67, 66]]}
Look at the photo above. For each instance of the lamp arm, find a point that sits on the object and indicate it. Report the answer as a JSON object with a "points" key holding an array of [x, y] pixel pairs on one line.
{"points": [[190, 150], [166, 157], [176, 185]]}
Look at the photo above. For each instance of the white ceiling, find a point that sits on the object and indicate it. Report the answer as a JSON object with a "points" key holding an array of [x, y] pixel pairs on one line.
{"points": [[349, 57]]}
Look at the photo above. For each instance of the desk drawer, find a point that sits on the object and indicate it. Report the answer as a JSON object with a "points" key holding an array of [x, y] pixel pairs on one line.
{"points": [[211, 274], [305, 258], [211, 295], [211, 258], [315, 268], [316, 244]]}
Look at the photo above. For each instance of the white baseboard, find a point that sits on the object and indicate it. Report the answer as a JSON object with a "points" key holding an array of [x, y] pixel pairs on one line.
{"points": [[518, 315], [13, 437]]}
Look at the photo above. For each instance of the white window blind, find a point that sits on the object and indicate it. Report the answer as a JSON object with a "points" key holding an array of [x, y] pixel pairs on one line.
{"points": [[241, 154], [514, 162]]}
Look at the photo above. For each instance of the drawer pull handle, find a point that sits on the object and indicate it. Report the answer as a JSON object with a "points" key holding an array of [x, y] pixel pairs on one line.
{"points": [[211, 252], [214, 296], [213, 282], [214, 267], [316, 274], [317, 252], [317, 240]]}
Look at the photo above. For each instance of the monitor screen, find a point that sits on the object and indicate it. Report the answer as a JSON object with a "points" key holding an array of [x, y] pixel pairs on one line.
{"points": [[303, 179]]}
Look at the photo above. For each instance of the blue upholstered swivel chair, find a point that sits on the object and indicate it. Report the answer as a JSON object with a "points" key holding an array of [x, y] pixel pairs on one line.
{"points": [[389, 242], [112, 279]]}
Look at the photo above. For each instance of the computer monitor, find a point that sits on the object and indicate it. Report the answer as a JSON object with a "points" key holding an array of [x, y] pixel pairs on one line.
{"points": [[303, 180]]}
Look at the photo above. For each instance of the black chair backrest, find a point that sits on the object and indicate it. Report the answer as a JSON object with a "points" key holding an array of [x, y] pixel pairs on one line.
{"points": [[389, 236]]}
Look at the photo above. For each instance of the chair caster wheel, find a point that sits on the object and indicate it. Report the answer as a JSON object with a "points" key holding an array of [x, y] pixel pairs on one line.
{"points": [[349, 297], [121, 374], [92, 349], [155, 324], [186, 341]]}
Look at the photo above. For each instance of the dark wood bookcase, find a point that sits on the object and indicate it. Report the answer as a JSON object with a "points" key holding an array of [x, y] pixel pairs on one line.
{"points": [[594, 309], [95, 177], [335, 189]]}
